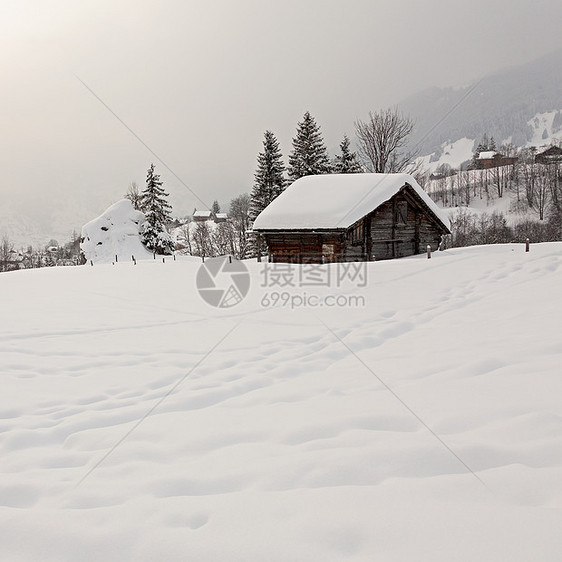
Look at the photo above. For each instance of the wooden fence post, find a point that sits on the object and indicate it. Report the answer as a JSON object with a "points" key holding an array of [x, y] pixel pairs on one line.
{"points": [[428, 252], [527, 245]]}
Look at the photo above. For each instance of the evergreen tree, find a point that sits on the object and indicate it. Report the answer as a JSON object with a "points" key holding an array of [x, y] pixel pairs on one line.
{"points": [[484, 145], [157, 212], [346, 162], [309, 156], [269, 179], [215, 207]]}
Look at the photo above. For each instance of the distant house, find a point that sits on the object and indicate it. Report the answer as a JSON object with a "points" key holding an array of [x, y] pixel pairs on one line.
{"points": [[441, 175], [202, 216], [552, 155], [350, 217], [491, 159]]}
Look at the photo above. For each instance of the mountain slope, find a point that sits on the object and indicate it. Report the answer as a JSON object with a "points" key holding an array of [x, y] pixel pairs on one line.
{"points": [[500, 105]]}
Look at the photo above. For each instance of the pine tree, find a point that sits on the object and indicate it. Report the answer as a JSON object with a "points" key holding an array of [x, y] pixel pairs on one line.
{"points": [[215, 207], [157, 212], [346, 162], [309, 156], [269, 179], [483, 146]]}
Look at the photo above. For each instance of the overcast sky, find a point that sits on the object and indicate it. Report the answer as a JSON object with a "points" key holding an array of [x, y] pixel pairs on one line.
{"points": [[200, 82]]}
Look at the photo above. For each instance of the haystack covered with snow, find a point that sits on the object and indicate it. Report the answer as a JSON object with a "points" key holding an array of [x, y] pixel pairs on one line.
{"points": [[116, 232]]}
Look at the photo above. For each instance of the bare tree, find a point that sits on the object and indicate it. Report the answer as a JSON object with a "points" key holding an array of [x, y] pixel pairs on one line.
{"points": [[500, 179], [542, 193], [464, 186], [201, 241], [381, 141], [240, 216], [134, 195], [185, 238], [6, 249], [223, 239], [421, 175]]}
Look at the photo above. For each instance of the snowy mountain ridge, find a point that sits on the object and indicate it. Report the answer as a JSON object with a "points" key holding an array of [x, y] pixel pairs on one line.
{"points": [[499, 105], [544, 129]]}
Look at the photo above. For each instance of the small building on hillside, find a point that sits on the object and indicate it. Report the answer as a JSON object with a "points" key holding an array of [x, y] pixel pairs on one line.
{"points": [[350, 217], [221, 217], [552, 155], [202, 216], [491, 159]]}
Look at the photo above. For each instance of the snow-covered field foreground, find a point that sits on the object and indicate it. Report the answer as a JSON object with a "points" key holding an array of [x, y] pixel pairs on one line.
{"points": [[139, 423]]}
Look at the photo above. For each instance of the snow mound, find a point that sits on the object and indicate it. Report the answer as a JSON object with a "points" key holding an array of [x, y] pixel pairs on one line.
{"points": [[116, 232]]}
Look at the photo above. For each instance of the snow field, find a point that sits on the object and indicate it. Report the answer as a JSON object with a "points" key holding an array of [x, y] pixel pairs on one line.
{"points": [[281, 443]]}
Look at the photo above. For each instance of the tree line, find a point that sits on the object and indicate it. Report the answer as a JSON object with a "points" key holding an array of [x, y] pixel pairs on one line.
{"points": [[533, 187], [380, 140], [52, 254]]}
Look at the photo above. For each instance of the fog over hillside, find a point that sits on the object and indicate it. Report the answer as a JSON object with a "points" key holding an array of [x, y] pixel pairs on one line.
{"points": [[499, 104]]}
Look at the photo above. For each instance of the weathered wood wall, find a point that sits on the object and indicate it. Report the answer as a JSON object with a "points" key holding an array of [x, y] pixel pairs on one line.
{"points": [[305, 247]]}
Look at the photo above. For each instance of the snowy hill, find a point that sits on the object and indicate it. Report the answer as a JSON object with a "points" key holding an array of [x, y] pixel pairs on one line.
{"points": [[420, 421], [543, 130]]}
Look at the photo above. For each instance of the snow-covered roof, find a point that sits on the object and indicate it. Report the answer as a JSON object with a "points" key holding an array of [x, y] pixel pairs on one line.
{"points": [[336, 201], [487, 155], [221, 216], [202, 214]]}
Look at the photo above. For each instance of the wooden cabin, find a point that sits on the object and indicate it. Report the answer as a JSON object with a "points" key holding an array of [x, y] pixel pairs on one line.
{"points": [[552, 155], [491, 159], [350, 217], [202, 216]]}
